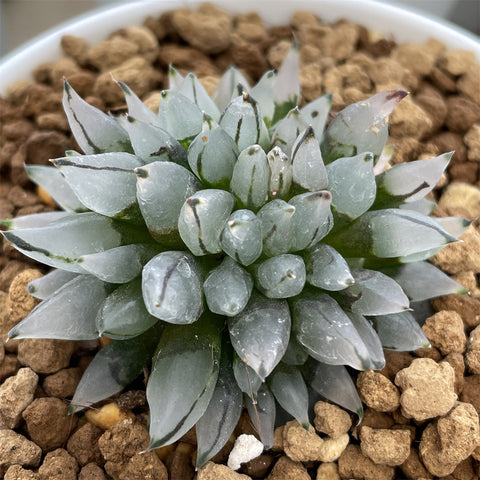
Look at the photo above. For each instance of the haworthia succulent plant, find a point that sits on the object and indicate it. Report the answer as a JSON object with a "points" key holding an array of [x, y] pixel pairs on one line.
{"points": [[235, 246]]}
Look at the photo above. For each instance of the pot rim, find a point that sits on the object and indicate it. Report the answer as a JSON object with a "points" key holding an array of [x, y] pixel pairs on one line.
{"points": [[409, 26]]}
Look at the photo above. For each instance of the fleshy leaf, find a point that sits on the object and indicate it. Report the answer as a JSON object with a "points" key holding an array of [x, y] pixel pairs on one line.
{"points": [[241, 237], [260, 333], [172, 287], [288, 130], [247, 380], [201, 219], [251, 177], [123, 314], [390, 233], [175, 79], [95, 179], [52, 181], [263, 93], [276, 217], [308, 168], [328, 334], [114, 367], [152, 143], [243, 121], [45, 286], [373, 293], [196, 93], [326, 268], [62, 243], [295, 353], [360, 127], [312, 218], [282, 276], [290, 391], [162, 188], [316, 113], [67, 315], [212, 155], [136, 108], [227, 87], [281, 173], [183, 379], [352, 194], [455, 226], [409, 181], [400, 332], [335, 383], [94, 131], [118, 265], [222, 414], [423, 206], [35, 220], [422, 281], [228, 288], [262, 414]]}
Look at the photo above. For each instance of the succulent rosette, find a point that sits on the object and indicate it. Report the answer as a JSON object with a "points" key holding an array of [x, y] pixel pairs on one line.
{"points": [[243, 250]]}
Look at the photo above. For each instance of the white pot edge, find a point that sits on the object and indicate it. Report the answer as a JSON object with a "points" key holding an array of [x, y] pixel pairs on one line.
{"points": [[389, 20]]}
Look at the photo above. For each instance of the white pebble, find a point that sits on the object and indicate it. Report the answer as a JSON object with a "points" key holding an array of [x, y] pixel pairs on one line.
{"points": [[246, 448]]}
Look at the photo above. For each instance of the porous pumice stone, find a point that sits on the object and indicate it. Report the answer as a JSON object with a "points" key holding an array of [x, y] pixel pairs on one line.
{"points": [[377, 391], [427, 388]]}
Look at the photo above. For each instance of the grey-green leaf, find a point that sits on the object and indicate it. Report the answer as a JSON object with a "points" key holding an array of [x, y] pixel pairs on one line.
{"points": [[45, 286], [227, 87], [316, 113], [195, 92], [136, 108], [247, 380], [183, 379], [288, 130], [281, 173], [69, 314], [262, 414]]}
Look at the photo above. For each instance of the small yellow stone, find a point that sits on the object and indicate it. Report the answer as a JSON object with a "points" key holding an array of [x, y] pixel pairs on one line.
{"points": [[107, 415], [45, 197]]}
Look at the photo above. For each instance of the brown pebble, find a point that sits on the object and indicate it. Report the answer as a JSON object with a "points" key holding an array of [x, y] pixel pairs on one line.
{"points": [[260, 466], [143, 38], [331, 419], [48, 423], [328, 471], [472, 140], [472, 355], [287, 468], [377, 391], [471, 387], [63, 383], [75, 47], [181, 465], [15, 449], [112, 52], [91, 471], [417, 58], [44, 145], [353, 464], [58, 465], [395, 361], [457, 362], [409, 120], [445, 331], [413, 467], [9, 366], [456, 62], [52, 121], [372, 418], [433, 103], [451, 142], [462, 113], [442, 80], [187, 59], [16, 472], [83, 444], [468, 83], [467, 307], [214, 471], [385, 447]]}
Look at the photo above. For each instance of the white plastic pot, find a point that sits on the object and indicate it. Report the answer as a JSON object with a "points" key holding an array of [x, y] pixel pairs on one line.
{"points": [[391, 21]]}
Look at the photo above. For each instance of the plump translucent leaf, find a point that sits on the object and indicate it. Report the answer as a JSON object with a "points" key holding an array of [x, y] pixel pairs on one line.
{"points": [[35, 220], [152, 143], [373, 293], [162, 188], [95, 180], [287, 84], [118, 265], [94, 131], [295, 353], [325, 330], [212, 155], [423, 205], [241, 237], [242, 120], [67, 315], [281, 173], [335, 383], [45, 286], [183, 379], [251, 177], [62, 243], [312, 218], [326, 268], [201, 219], [371, 340], [222, 414], [282, 276], [360, 127], [172, 287], [422, 280], [455, 226], [263, 93], [290, 391], [288, 130], [400, 331], [136, 108], [175, 78], [196, 93], [308, 169], [316, 113], [247, 380], [228, 288], [390, 233], [51, 180], [179, 116], [123, 314], [114, 367], [260, 333], [227, 87], [262, 414], [352, 185], [409, 181], [276, 217]]}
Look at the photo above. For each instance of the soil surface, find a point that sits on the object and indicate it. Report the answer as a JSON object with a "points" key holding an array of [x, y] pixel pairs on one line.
{"points": [[421, 411]]}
